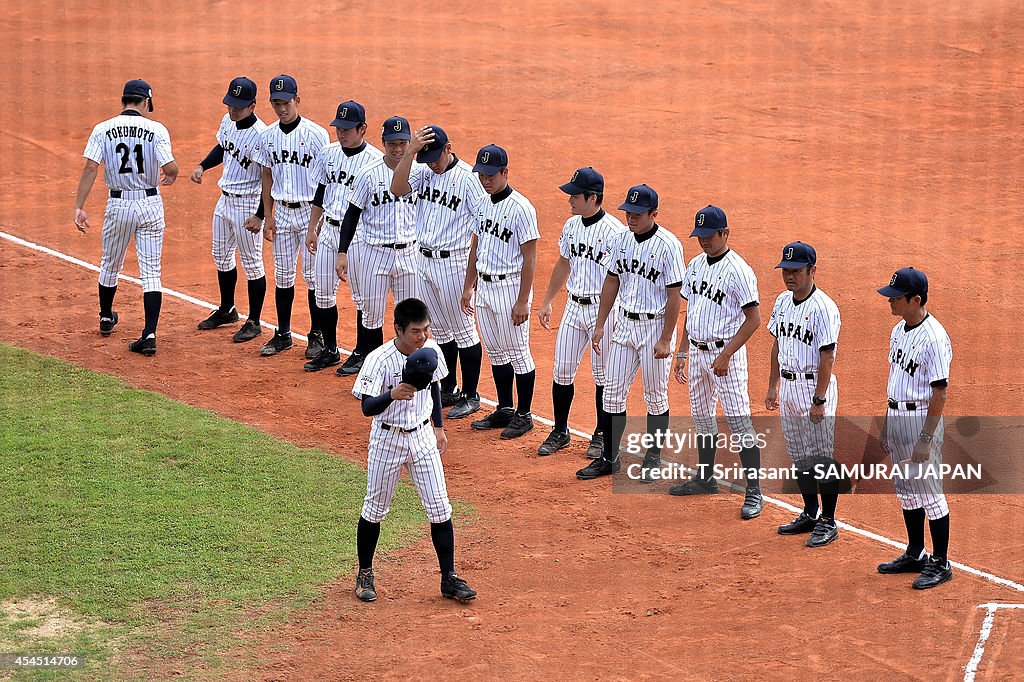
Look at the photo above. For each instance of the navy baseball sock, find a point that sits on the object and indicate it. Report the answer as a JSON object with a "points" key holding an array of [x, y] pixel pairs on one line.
{"points": [[561, 401], [828, 505], [914, 520], [706, 452], [329, 326], [751, 460], [524, 389], [599, 404], [616, 426], [472, 358], [374, 339], [314, 311], [283, 297], [450, 351], [227, 281], [808, 490], [107, 301], [151, 301], [360, 334], [257, 293], [367, 535], [657, 423], [443, 537], [504, 377], [940, 537]]}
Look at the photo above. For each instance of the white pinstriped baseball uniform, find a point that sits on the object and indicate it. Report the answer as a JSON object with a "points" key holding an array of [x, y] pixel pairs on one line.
{"points": [[645, 266], [501, 228], [241, 183], [387, 225], [803, 330], [290, 156], [400, 436], [444, 223], [587, 243], [132, 149], [336, 168], [716, 290], [919, 359]]}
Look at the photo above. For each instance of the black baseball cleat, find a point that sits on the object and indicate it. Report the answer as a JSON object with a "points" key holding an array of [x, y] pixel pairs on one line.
{"points": [[352, 365], [904, 563], [652, 461], [107, 324], [804, 523], [753, 503], [555, 441], [280, 342], [520, 425], [454, 587], [323, 360], [824, 533], [145, 346], [596, 448], [364, 585], [598, 468], [934, 573], [314, 344], [249, 331], [695, 486], [450, 398], [218, 318], [498, 419], [467, 405]]}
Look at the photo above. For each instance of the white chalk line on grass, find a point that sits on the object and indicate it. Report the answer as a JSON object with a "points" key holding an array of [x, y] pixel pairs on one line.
{"points": [[1004, 582], [986, 629]]}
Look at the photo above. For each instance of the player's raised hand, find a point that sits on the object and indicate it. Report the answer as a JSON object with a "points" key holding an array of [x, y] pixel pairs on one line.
{"points": [[269, 228], [420, 139], [520, 312], [253, 224], [442, 440], [342, 267], [595, 340], [771, 400], [721, 365], [467, 302], [81, 220], [544, 315], [662, 349], [403, 391], [197, 175]]}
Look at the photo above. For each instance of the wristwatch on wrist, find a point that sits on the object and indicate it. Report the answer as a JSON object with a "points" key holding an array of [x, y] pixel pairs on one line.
{"points": [[926, 437], [817, 401], [681, 355]]}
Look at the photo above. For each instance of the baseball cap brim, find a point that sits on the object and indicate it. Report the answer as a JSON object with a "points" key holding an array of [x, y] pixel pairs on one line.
{"points": [[792, 265], [571, 189], [429, 155], [892, 292], [345, 123], [282, 97], [237, 102], [486, 169], [634, 208], [396, 136], [704, 232]]}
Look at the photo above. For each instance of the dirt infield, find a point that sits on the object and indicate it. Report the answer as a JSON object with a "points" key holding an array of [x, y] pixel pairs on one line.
{"points": [[883, 139]]}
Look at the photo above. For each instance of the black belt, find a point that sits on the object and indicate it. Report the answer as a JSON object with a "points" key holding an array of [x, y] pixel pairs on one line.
{"points": [[910, 406], [238, 196], [389, 427], [293, 204], [332, 221], [707, 345], [793, 376], [396, 247], [117, 193], [443, 253], [639, 316], [493, 278], [582, 300]]}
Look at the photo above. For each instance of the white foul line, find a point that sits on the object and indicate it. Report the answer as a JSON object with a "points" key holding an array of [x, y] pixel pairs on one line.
{"points": [[1004, 582], [986, 630]]}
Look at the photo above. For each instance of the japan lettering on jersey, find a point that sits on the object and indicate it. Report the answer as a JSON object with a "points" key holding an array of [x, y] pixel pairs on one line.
{"points": [[290, 156], [501, 230], [646, 268], [588, 248], [716, 294], [386, 218], [242, 174], [919, 357], [382, 371], [445, 215], [803, 329], [336, 170], [132, 149]]}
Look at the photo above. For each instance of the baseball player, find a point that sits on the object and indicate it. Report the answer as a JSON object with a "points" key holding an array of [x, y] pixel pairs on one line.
{"points": [[502, 261], [387, 224], [643, 278], [920, 354], [334, 171], [241, 183], [448, 193], [398, 387], [136, 155], [584, 252], [287, 149], [805, 323], [722, 313]]}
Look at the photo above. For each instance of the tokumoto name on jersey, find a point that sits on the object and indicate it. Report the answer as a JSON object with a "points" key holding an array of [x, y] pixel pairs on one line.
{"points": [[904, 361], [130, 131], [638, 268]]}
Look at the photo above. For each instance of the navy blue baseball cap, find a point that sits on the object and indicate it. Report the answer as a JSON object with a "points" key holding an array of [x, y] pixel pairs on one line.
{"points": [[708, 221], [584, 180], [396, 128], [906, 281], [797, 255], [241, 93], [283, 88], [350, 115], [432, 152], [490, 160], [422, 361], [138, 88], [640, 199]]}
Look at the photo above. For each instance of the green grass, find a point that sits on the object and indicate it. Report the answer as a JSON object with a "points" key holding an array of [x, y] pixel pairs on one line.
{"points": [[161, 526]]}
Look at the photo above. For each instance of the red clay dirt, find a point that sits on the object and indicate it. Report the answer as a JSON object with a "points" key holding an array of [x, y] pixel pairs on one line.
{"points": [[884, 138]]}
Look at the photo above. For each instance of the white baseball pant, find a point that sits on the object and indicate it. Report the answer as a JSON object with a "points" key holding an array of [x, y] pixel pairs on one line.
{"points": [[291, 226], [632, 350], [356, 253], [505, 342], [382, 269], [441, 283], [706, 389], [230, 236], [918, 489], [575, 332], [389, 451], [123, 218], [326, 261], [807, 443]]}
